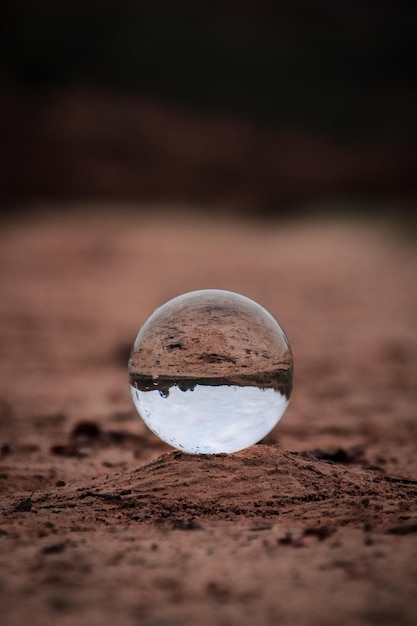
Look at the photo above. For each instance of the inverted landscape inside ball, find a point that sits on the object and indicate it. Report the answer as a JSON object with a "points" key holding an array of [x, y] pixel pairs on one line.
{"points": [[211, 371]]}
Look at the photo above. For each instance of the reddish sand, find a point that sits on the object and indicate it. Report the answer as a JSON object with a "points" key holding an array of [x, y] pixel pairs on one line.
{"points": [[102, 523]]}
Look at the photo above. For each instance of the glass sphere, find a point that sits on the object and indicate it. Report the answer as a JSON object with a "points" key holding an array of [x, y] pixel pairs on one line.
{"points": [[211, 371]]}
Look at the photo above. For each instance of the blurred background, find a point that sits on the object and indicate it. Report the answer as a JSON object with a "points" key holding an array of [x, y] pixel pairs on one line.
{"points": [[259, 107]]}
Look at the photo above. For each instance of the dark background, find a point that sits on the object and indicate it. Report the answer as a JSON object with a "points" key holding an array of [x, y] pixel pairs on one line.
{"points": [[265, 107]]}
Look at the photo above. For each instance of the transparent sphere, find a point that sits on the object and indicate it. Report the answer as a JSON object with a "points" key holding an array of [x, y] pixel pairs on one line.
{"points": [[211, 371]]}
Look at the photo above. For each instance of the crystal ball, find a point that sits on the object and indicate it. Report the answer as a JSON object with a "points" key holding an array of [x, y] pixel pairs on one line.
{"points": [[211, 372]]}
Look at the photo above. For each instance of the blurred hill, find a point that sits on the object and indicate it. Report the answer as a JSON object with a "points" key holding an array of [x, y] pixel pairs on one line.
{"points": [[253, 105]]}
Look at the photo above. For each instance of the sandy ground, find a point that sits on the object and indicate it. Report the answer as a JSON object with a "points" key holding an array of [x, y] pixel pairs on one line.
{"points": [[102, 523]]}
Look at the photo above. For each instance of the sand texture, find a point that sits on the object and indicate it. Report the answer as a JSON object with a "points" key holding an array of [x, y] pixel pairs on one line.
{"points": [[102, 523]]}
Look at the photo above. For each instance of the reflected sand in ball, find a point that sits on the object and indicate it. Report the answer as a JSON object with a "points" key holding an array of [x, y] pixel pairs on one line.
{"points": [[211, 371]]}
